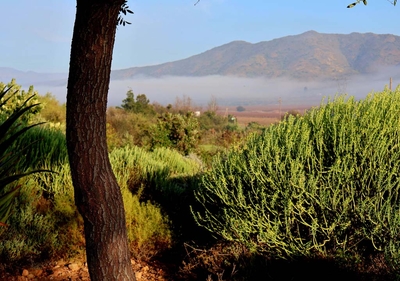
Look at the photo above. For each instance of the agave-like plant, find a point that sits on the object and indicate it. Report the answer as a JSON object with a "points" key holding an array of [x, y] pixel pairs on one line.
{"points": [[11, 128]]}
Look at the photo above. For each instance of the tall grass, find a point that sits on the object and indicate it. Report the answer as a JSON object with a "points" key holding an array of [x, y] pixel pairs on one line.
{"points": [[326, 182]]}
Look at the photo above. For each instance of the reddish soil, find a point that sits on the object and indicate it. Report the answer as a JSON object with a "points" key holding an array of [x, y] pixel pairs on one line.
{"points": [[78, 271]]}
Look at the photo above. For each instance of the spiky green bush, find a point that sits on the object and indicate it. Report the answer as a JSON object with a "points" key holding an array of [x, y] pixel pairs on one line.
{"points": [[155, 170], [312, 185], [48, 147]]}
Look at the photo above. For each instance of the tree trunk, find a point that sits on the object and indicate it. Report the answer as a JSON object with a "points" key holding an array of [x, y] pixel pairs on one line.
{"points": [[97, 194]]}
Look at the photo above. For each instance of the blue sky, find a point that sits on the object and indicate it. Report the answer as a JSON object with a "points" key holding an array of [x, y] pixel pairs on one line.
{"points": [[36, 35]]}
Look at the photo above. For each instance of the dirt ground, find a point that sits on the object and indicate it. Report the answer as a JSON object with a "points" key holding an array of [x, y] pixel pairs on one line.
{"points": [[78, 271]]}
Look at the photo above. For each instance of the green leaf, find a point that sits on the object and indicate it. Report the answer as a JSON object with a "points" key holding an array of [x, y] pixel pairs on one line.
{"points": [[351, 5], [365, 2], [6, 201], [13, 178], [10, 131]]}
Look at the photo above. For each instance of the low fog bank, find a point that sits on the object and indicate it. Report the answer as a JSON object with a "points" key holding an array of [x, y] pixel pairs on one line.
{"points": [[246, 91], [234, 90]]}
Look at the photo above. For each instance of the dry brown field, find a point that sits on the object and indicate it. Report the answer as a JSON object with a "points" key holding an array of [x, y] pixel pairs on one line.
{"points": [[262, 114]]}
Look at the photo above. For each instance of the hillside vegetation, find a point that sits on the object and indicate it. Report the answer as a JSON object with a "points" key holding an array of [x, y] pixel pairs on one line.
{"points": [[215, 201]]}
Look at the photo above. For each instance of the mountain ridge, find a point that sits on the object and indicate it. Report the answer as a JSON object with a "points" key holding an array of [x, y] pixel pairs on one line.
{"points": [[305, 56]]}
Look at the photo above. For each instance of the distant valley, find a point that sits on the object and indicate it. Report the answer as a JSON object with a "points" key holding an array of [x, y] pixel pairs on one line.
{"points": [[296, 69]]}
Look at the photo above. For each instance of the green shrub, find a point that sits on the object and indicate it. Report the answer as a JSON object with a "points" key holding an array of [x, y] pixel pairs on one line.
{"points": [[52, 111], [177, 131], [30, 233], [48, 147], [18, 98], [150, 182], [16, 109], [47, 220], [211, 120], [163, 177], [156, 170], [312, 185], [149, 230], [128, 128]]}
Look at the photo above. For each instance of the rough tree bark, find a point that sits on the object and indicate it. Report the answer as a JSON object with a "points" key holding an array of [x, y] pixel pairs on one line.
{"points": [[97, 194]]}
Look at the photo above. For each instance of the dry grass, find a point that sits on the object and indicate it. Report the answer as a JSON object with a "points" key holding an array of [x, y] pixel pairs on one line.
{"points": [[262, 114]]}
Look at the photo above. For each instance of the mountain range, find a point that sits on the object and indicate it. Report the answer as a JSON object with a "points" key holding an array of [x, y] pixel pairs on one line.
{"points": [[310, 55], [324, 64]]}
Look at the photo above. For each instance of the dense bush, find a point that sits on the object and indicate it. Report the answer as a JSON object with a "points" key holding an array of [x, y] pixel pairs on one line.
{"points": [[48, 222], [125, 127], [177, 131], [210, 120], [41, 228], [326, 182], [17, 98], [52, 111]]}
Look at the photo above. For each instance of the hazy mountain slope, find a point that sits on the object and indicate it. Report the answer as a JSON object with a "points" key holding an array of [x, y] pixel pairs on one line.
{"points": [[306, 56], [27, 78]]}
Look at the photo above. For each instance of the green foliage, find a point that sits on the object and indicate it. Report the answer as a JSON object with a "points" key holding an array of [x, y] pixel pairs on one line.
{"points": [[124, 9], [145, 178], [128, 128], [13, 118], [365, 3], [30, 233], [210, 120], [129, 103], [141, 105], [163, 177], [177, 131], [52, 111], [140, 169], [18, 98], [323, 182], [149, 231], [47, 147], [47, 220]]}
